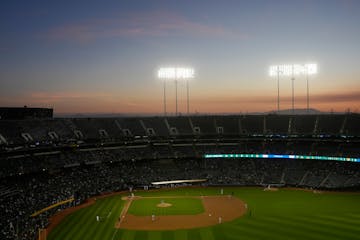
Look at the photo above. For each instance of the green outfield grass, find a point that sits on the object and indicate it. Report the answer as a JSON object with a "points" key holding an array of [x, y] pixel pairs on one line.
{"points": [[285, 214], [179, 206]]}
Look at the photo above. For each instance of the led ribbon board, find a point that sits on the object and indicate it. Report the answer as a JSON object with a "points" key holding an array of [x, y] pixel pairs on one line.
{"points": [[293, 69], [175, 73], [281, 156]]}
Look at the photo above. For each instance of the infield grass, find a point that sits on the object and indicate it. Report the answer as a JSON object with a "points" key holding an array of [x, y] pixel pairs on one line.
{"points": [[285, 214], [179, 206]]}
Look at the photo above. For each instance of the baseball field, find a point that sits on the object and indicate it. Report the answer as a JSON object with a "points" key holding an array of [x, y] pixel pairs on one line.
{"points": [[206, 214]]}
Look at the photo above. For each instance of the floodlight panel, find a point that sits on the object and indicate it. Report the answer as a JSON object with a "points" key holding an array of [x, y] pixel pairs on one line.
{"points": [[293, 69], [298, 69], [273, 71], [286, 70], [166, 73], [176, 73], [311, 68]]}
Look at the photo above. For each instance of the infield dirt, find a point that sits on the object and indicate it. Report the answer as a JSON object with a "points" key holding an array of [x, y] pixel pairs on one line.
{"points": [[215, 207]]}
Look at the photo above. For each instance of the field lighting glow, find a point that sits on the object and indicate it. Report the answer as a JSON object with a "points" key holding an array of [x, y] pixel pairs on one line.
{"points": [[176, 73], [293, 69], [281, 156]]}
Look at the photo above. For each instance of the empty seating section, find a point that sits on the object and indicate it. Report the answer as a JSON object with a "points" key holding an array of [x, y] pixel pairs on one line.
{"points": [[304, 125], [277, 124], [133, 125], [110, 127], [98, 128], [182, 124], [60, 128], [38, 130], [352, 126], [252, 124], [88, 127], [205, 123], [230, 124], [157, 124], [162, 127], [11, 131], [330, 124]]}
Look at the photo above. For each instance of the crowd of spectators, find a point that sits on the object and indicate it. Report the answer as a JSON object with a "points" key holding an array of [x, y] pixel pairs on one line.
{"points": [[28, 193]]}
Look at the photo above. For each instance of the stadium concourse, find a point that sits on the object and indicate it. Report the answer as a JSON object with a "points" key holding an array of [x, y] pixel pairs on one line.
{"points": [[46, 161]]}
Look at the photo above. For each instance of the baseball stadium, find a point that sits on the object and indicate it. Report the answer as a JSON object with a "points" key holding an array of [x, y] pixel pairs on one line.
{"points": [[180, 120], [192, 177]]}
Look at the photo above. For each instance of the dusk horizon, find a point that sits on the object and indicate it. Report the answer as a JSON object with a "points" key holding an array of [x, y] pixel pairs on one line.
{"points": [[92, 57]]}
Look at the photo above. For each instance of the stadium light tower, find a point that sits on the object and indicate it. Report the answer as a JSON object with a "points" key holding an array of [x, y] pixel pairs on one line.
{"points": [[187, 97], [293, 70], [311, 69], [164, 97], [292, 90], [274, 70], [176, 74], [176, 97]]}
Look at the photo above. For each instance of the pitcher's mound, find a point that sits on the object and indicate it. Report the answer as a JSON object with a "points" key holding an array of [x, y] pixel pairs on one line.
{"points": [[164, 205]]}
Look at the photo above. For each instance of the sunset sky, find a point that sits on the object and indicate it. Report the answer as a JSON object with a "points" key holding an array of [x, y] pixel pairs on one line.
{"points": [[102, 57]]}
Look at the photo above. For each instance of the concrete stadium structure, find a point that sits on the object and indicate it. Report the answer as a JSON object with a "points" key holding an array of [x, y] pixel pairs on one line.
{"points": [[44, 161]]}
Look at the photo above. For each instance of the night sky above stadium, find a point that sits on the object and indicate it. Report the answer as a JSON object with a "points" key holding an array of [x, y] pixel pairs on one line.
{"points": [[102, 57]]}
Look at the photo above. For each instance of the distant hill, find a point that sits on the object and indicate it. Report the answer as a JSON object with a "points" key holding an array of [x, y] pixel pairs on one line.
{"points": [[299, 111]]}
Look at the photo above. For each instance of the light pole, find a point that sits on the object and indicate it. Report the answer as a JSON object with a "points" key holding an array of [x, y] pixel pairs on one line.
{"points": [[292, 88], [307, 89], [188, 98], [275, 71], [278, 88], [176, 99], [309, 69], [164, 97]]}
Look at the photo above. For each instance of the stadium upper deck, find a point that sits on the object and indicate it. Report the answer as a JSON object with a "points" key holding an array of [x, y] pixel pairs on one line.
{"points": [[49, 131]]}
